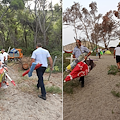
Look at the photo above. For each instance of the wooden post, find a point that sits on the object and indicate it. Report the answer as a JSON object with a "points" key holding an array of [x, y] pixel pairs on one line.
{"points": [[71, 58]]}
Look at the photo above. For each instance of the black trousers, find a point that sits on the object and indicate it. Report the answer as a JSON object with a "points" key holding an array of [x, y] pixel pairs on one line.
{"points": [[40, 71], [82, 80]]}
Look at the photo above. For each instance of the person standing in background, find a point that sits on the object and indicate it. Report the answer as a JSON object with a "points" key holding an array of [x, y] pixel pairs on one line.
{"points": [[99, 50], [6, 55], [117, 55], [2, 58]]}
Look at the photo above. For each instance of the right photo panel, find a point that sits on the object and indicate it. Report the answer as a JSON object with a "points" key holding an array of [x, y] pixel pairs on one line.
{"points": [[91, 60]]}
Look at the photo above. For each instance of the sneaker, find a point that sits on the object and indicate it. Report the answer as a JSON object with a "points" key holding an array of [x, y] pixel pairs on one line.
{"points": [[42, 97]]}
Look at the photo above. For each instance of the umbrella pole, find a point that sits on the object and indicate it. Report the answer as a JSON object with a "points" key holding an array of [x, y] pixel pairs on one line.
{"points": [[8, 50], [52, 67]]}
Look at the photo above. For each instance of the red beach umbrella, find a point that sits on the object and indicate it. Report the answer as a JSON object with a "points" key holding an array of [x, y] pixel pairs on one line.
{"points": [[81, 69]]}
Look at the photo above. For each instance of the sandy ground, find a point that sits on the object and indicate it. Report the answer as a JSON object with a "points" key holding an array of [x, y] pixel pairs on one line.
{"points": [[21, 102], [94, 101]]}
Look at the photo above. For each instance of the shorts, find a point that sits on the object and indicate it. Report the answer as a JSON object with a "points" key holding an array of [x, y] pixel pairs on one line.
{"points": [[117, 58], [99, 53]]}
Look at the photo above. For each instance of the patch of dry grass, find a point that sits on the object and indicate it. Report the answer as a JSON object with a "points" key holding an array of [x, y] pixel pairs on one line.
{"points": [[28, 85]]}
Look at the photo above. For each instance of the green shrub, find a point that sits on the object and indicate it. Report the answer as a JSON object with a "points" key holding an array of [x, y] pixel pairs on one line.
{"points": [[56, 53], [93, 53], [58, 61], [56, 69], [66, 62], [28, 51], [117, 94], [70, 85], [53, 89], [67, 54], [113, 70], [118, 85]]}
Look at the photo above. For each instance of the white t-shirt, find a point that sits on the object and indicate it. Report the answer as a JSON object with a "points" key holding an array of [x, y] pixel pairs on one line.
{"points": [[5, 55], [40, 55], [117, 51], [99, 50], [1, 58]]}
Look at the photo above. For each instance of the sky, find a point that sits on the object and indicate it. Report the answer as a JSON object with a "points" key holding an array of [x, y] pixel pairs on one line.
{"points": [[103, 7], [53, 2]]}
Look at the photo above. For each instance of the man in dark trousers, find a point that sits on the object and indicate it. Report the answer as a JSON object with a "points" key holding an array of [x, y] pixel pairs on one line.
{"points": [[41, 55], [78, 50]]}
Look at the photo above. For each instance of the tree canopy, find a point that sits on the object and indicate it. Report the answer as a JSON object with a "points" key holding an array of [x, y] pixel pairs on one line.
{"points": [[22, 27], [93, 26]]}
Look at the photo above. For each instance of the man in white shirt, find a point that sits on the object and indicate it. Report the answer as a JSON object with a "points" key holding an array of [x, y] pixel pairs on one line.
{"points": [[5, 56], [117, 54], [41, 55], [1, 58]]}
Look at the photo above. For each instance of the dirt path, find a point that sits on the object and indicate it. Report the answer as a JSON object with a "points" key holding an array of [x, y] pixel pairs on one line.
{"points": [[21, 102], [94, 101]]}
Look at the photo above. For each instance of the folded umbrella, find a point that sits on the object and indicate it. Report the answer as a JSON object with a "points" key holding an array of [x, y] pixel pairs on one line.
{"points": [[74, 63], [36, 67], [81, 69], [32, 68]]}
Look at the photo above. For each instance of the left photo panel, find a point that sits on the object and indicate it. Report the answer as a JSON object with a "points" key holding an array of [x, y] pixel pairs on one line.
{"points": [[31, 60]]}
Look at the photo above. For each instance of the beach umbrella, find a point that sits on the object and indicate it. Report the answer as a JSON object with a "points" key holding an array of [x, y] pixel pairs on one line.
{"points": [[107, 52], [81, 69], [74, 63], [31, 70]]}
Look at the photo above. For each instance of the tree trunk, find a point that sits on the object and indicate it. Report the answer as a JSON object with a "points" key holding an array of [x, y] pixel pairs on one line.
{"points": [[44, 39], [35, 35]]}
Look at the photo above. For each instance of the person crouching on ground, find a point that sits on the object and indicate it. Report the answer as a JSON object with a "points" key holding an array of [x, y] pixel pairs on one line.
{"points": [[41, 55], [117, 55]]}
